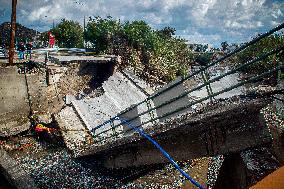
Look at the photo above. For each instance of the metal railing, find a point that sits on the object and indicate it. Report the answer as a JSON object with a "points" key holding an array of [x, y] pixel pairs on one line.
{"points": [[167, 88]]}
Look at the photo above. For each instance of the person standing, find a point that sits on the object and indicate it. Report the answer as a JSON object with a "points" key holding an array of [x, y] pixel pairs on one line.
{"points": [[51, 40], [29, 47], [21, 49]]}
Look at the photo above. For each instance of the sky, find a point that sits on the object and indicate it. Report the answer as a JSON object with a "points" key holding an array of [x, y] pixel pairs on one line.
{"points": [[198, 21]]}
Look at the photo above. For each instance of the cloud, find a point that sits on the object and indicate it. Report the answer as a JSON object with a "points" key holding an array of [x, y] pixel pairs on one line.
{"points": [[196, 37], [243, 25], [212, 20]]}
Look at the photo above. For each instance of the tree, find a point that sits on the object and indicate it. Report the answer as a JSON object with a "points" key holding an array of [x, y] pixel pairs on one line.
{"points": [[204, 59], [44, 39], [224, 45], [68, 34], [263, 46], [101, 32], [167, 32], [150, 52], [139, 34]]}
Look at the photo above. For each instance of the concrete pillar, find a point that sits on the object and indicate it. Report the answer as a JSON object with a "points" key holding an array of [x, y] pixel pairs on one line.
{"points": [[233, 173]]}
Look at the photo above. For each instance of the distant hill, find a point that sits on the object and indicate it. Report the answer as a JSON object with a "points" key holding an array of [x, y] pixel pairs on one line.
{"points": [[22, 33]]}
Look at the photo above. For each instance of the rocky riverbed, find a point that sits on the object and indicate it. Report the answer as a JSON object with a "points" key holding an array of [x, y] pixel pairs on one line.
{"points": [[53, 166]]}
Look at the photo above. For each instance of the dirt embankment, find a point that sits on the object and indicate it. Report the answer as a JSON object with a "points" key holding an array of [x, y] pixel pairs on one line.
{"points": [[73, 81], [49, 99]]}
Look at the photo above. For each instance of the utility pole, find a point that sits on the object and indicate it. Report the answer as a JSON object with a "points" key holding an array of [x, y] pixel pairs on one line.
{"points": [[84, 35], [13, 32]]}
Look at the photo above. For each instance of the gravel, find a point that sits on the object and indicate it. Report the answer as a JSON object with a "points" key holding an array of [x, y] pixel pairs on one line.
{"points": [[54, 167], [58, 169]]}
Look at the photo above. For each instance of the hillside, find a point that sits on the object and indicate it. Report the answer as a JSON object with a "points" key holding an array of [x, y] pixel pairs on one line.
{"points": [[22, 33]]}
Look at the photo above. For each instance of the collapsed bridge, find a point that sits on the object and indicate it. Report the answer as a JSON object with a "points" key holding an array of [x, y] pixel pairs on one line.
{"points": [[217, 116], [208, 117]]}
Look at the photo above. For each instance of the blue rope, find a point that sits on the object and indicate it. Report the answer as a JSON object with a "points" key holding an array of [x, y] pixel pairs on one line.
{"points": [[142, 133]]}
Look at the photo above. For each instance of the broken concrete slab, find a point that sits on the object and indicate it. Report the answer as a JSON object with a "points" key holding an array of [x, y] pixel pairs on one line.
{"points": [[14, 102], [167, 96], [182, 88], [79, 59], [213, 130], [74, 133], [120, 93], [93, 112], [121, 90], [125, 94], [142, 84]]}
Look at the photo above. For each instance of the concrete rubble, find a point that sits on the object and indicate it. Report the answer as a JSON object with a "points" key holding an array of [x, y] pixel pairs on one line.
{"points": [[124, 89], [55, 72], [72, 129], [82, 59], [93, 112]]}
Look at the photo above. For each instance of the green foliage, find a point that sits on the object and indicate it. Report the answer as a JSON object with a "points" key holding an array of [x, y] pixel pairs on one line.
{"points": [[263, 46], [282, 75], [204, 58], [224, 45], [155, 53], [166, 32], [44, 38], [171, 58], [139, 34], [102, 31], [68, 34]]}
